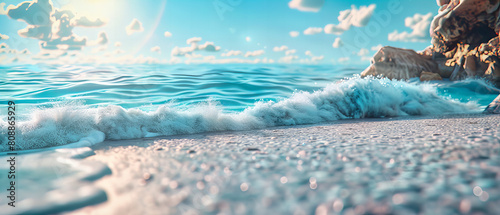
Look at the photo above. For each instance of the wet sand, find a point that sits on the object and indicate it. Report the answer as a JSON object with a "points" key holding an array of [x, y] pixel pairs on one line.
{"points": [[432, 165]]}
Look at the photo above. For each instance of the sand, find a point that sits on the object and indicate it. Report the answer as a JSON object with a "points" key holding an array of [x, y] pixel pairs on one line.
{"points": [[432, 165]]}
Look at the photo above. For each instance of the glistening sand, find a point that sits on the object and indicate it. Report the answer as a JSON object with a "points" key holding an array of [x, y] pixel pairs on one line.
{"points": [[427, 165]]}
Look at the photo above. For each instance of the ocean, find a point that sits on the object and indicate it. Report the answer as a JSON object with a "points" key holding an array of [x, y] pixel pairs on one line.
{"points": [[64, 112], [60, 105]]}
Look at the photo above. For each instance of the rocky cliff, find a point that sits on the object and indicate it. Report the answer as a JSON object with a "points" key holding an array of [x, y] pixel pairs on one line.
{"points": [[465, 43]]}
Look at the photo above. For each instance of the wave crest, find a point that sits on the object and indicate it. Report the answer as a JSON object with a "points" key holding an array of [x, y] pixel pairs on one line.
{"points": [[351, 98]]}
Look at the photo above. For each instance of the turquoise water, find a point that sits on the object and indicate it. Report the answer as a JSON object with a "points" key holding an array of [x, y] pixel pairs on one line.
{"points": [[235, 87], [59, 105]]}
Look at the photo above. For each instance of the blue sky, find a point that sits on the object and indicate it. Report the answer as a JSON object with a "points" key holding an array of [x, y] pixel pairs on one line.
{"points": [[209, 31]]}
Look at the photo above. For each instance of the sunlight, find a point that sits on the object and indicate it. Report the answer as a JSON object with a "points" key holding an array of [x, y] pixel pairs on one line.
{"points": [[105, 10]]}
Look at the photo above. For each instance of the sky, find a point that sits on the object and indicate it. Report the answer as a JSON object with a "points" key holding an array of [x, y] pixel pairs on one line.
{"points": [[209, 31]]}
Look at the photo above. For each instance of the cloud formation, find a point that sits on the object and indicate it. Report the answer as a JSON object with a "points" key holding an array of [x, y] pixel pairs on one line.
{"points": [[337, 43], [209, 47], [85, 22], [313, 30], [306, 5], [193, 42], [294, 33], [419, 24], [3, 10], [102, 38], [344, 59], [134, 27], [4, 37], [377, 47], [280, 48], [288, 59], [52, 26], [290, 52], [254, 53], [167, 34], [231, 53], [156, 49], [363, 52], [351, 17]]}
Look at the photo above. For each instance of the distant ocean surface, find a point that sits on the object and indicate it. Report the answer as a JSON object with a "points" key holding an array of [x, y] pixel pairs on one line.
{"points": [[58, 105]]}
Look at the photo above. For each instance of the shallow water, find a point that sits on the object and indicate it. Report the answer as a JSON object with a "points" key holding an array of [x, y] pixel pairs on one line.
{"points": [[58, 105]]}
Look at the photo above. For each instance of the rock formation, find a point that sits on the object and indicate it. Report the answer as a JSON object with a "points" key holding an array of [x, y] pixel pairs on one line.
{"points": [[395, 63], [465, 43], [494, 107]]}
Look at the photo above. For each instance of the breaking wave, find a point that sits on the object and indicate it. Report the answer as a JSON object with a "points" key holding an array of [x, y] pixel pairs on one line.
{"points": [[351, 98]]}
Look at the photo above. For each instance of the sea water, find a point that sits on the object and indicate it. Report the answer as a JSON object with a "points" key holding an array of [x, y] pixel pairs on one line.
{"points": [[58, 105], [81, 105]]}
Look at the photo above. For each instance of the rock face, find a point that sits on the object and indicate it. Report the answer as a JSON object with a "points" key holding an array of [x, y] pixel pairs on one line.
{"points": [[430, 76], [494, 107], [465, 43], [395, 63]]}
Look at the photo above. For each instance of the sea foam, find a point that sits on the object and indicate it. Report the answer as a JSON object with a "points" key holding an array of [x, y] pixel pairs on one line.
{"points": [[351, 98]]}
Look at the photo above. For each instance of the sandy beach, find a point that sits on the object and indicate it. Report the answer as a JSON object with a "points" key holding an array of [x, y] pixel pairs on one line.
{"points": [[420, 165]]}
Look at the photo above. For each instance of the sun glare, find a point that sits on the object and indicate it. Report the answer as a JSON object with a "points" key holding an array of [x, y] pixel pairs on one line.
{"points": [[96, 9]]}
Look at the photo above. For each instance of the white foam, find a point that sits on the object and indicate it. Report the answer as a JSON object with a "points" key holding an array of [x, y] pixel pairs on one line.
{"points": [[352, 98]]}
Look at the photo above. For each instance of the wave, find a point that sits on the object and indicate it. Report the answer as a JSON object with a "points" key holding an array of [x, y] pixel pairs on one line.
{"points": [[350, 98]]}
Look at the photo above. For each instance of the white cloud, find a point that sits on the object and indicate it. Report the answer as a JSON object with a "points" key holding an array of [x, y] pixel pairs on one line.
{"points": [[306, 5], [351, 17], [290, 52], [313, 30], [344, 59], [294, 33], [419, 24], [36, 13], [118, 44], [193, 40], [52, 26], [377, 47], [231, 53], [248, 39], [312, 59], [363, 52], [3, 10], [85, 22], [254, 53], [102, 39], [280, 48], [181, 51], [4, 37], [317, 58], [25, 51], [337, 43], [134, 26], [167, 34], [288, 59], [209, 46], [156, 49], [4, 46]]}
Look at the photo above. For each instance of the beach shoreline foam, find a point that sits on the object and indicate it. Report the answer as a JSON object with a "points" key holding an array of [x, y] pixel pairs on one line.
{"points": [[351, 98]]}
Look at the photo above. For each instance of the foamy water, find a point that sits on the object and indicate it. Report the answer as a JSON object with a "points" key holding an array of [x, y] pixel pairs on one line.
{"points": [[86, 105]]}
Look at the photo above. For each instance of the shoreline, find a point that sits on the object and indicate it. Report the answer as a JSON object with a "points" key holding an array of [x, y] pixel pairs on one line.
{"points": [[395, 165]]}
